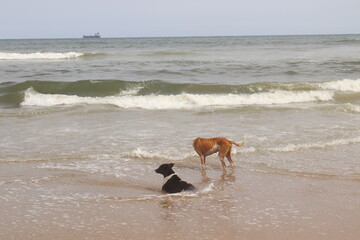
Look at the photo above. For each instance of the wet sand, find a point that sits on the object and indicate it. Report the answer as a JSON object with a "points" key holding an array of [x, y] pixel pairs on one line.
{"points": [[240, 203]]}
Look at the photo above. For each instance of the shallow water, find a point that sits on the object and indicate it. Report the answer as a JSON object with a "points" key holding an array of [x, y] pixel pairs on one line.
{"points": [[245, 202]]}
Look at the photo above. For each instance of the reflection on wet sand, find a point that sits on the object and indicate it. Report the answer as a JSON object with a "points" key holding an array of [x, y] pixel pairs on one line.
{"points": [[226, 176]]}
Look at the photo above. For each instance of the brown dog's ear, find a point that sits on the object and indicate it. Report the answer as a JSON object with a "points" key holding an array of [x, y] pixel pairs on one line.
{"points": [[171, 165]]}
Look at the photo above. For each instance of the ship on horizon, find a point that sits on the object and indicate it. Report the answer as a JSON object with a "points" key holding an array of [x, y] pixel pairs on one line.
{"points": [[96, 35]]}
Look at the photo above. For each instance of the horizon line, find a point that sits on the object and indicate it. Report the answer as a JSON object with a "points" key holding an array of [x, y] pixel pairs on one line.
{"points": [[189, 36]]}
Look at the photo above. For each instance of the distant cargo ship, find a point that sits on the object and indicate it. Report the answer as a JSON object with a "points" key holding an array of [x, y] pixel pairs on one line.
{"points": [[96, 35]]}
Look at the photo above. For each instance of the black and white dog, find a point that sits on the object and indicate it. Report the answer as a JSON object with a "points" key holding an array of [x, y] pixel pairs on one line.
{"points": [[172, 183]]}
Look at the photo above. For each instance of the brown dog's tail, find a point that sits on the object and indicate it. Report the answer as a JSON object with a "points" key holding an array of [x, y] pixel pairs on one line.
{"points": [[239, 145]]}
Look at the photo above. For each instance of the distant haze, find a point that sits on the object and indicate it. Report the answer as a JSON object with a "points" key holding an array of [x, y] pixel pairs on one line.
{"points": [[157, 18]]}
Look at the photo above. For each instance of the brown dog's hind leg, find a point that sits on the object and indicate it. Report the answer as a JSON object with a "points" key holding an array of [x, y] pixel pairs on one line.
{"points": [[221, 157], [224, 151], [228, 156]]}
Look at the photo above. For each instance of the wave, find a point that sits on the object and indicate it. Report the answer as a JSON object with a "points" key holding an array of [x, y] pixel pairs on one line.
{"points": [[169, 53], [39, 55], [346, 85], [145, 94], [301, 146], [180, 101], [189, 158], [168, 155], [351, 108]]}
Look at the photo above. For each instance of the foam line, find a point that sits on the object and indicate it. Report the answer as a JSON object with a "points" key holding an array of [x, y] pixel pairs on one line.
{"points": [[39, 55], [179, 101]]}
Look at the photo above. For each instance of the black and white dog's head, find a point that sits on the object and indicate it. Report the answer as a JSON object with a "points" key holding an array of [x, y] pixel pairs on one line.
{"points": [[165, 169], [172, 183]]}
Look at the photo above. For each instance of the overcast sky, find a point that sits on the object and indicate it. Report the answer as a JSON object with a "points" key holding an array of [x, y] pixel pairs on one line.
{"points": [[152, 18]]}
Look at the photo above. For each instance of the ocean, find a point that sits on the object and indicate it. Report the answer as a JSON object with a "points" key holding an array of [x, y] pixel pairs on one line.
{"points": [[85, 122]]}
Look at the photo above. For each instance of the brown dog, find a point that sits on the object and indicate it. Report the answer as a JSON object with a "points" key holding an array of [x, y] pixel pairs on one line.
{"points": [[207, 146]]}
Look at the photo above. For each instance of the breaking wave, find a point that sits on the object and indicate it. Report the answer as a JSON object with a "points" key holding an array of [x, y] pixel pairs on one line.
{"points": [[179, 101], [157, 94], [297, 147], [39, 55], [351, 108], [346, 85]]}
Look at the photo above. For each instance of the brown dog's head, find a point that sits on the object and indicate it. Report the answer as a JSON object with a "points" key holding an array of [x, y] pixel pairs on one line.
{"points": [[165, 169]]}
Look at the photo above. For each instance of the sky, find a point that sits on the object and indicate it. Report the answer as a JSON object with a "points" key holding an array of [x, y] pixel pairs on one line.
{"points": [[163, 18]]}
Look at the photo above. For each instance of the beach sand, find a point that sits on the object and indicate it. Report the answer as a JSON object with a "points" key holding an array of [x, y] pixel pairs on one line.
{"points": [[241, 203]]}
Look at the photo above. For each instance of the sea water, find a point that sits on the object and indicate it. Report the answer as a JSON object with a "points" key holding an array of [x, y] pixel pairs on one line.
{"points": [[117, 96], [112, 110]]}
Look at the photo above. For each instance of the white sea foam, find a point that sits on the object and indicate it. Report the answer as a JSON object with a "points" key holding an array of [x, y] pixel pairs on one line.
{"points": [[208, 188], [352, 108], [168, 155], [180, 101], [346, 85], [39, 55], [130, 92], [297, 147], [174, 155], [119, 169], [243, 150]]}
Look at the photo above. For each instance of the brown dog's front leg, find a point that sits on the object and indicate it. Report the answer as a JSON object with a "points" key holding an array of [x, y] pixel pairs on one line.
{"points": [[202, 161]]}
